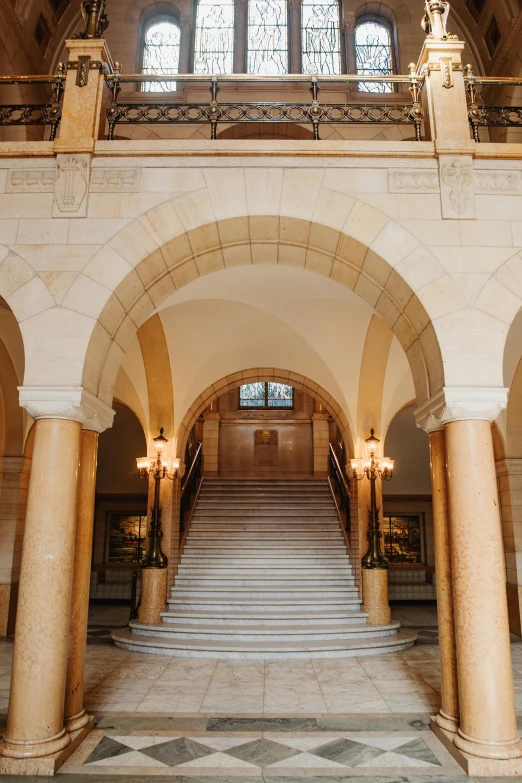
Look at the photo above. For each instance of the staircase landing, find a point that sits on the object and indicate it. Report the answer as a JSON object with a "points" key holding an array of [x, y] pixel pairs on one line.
{"points": [[264, 574]]}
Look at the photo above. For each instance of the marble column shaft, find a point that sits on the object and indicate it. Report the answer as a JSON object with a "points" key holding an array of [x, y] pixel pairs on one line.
{"points": [[35, 722], [75, 715], [449, 712], [487, 709]]}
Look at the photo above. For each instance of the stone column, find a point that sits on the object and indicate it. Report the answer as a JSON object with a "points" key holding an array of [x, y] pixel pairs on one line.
{"points": [[74, 714], [35, 726], [211, 441], [14, 481], [186, 33], [81, 112], [445, 93], [349, 42], [321, 441], [448, 717], [487, 736], [240, 36], [294, 37]]}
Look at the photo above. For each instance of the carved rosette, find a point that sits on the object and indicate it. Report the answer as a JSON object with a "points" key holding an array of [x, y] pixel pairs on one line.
{"points": [[66, 402], [460, 404]]}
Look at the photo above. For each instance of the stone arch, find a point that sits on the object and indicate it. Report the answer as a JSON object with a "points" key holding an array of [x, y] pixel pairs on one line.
{"points": [[158, 255], [234, 380]]}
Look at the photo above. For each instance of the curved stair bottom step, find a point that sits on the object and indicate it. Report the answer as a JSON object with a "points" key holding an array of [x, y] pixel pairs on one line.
{"points": [[126, 640]]}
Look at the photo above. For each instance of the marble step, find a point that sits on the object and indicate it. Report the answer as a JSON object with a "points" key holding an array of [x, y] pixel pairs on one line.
{"points": [[203, 549], [245, 593], [239, 633], [126, 639], [245, 604], [264, 561], [234, 581], [264, 512], [267, 535], [268, 572], [222, 617], [248, 502]]}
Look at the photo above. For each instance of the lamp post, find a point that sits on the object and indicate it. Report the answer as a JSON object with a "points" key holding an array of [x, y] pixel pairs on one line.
{"points": [[155, 562], [374, 563], [373, 468]]}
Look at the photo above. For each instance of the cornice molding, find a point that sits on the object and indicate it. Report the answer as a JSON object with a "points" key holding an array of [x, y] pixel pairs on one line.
{"points": [[73, 403], [460, 403], [509, 467]]}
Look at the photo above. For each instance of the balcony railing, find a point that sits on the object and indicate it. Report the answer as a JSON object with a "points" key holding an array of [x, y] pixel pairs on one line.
{"points": [[214, 112], [46, 114], [483, 116]]}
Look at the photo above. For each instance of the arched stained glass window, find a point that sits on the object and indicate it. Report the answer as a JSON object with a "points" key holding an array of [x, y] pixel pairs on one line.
{"points": [[321, 40], [214, 45], [266, 395], [161, 38], [267, 37], [373, 52]]}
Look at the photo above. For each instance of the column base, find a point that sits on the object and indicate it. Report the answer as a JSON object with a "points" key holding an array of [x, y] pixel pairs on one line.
{"points": [[375, 596], [76, 722], [46, 765], [446, 722], [476, 766]]}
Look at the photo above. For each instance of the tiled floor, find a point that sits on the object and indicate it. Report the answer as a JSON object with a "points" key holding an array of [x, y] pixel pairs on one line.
{"points": [[258, 753], [396, 683], [303, 721]]}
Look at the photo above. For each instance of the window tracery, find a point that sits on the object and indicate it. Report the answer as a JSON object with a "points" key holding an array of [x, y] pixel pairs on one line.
{"points": [[267, 37], [214, 42], [161, 45], [321, 40], [373, 53], [266, 395]]}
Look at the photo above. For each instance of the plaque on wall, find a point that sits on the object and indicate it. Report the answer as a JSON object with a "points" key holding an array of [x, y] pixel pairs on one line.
{"points": [[265, 448]]}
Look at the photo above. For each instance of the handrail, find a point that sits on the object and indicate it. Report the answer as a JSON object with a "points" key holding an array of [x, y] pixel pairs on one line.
{"points": [[249, 77], [341, 488], [339, 471], [188, 475], [33, 79]]}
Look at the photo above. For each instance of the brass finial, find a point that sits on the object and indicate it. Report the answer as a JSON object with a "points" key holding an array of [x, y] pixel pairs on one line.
{"points": [[435, 20]]}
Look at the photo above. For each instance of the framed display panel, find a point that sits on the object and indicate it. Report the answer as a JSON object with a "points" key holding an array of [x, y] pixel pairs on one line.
{"points": [[127, 536], [404, 539]]}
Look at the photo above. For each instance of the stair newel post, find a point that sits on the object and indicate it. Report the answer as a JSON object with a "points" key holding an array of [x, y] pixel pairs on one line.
{"points": [[155, 563], [374, 564]]}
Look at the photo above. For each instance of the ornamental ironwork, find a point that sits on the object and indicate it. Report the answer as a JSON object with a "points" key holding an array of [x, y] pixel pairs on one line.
{"points": [[46, 114], [321, 52], [267, 37]]}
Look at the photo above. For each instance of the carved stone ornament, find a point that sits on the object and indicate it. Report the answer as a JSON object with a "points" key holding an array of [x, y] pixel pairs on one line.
{"points": [[504, 183], [66, 402], [457, 187], [15, 465], [72, 185], [413, 181], [509, 467], [446, 72], [115, 180], [30, 180], [460, 403]]}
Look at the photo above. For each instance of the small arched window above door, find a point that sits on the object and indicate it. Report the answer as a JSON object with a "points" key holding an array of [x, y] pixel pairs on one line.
{"points": [[373, 53], [321, 38], [266, 395], [161, 43]]}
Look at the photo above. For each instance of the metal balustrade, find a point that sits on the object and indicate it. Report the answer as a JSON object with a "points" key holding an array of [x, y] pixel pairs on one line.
{"points": [[46, 114], [214, 112]]}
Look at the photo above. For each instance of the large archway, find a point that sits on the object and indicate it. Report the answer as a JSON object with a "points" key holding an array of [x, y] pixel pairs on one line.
{"points": [[261, 239]]}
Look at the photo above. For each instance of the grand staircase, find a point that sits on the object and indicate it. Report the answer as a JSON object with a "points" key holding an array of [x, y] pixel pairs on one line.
{"points": [[264, 574]]}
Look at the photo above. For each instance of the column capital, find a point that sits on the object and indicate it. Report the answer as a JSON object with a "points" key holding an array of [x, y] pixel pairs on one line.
{"points": [[460, 403], [66, 402]]}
